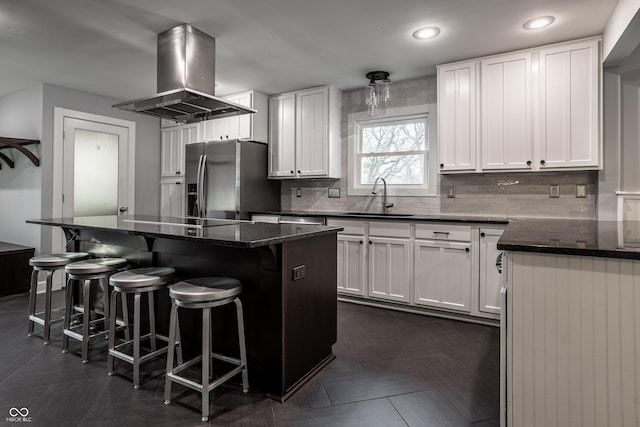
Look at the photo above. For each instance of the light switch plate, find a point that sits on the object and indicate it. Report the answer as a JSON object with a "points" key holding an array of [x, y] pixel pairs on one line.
{"points": [[554, 191], [334, 193], [581, 191], [451, 192], [298, 272]]}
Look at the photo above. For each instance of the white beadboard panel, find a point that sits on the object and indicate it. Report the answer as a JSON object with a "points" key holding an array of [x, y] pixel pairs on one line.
{"points": [[573, 341]]}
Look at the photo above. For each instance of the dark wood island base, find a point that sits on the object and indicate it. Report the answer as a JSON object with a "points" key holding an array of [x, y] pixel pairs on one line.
{"points": [[288, 273]]}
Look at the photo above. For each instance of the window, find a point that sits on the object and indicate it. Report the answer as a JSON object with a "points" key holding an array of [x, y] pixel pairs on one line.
{"points": [[398, 147]]}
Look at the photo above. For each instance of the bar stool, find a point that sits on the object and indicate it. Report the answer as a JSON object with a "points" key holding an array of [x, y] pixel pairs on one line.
{"points": [[136, 282], [49, 263], [87, 272], [205, 293]]}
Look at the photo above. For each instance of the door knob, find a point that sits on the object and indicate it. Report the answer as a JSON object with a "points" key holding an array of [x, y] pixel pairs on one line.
{"points": [[123, 209]]}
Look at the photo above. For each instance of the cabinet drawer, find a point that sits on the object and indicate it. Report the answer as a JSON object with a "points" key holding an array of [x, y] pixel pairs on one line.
{"points": [[389, 229], [350, 226], [443, 232]]}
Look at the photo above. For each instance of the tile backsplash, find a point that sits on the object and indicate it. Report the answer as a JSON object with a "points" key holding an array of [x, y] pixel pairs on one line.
{"points": [[492, 194]]}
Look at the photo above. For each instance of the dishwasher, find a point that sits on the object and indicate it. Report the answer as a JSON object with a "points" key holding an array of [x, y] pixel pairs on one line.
{"points": [[317, 220]]}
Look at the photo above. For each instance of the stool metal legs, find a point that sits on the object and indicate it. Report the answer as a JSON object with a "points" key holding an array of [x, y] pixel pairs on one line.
{"points": [[207, 355], [34, 317]]}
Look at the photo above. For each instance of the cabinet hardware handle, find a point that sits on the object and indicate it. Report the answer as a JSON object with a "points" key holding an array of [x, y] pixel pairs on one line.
{"points": [[441, 165], [370, 242], [360, 241], [482, 234], [528, 162], [178, 173], [298, 172], [291, 172], [466, 249], [177, 182], [446, 233], [542, 162]]}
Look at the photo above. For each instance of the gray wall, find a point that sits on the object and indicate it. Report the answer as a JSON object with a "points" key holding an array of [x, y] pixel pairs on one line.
{"points": [[26, 192], [20, 188], [499, 194]]}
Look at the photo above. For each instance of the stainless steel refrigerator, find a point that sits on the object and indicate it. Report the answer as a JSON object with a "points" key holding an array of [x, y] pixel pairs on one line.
{"points": [[228, 179]]}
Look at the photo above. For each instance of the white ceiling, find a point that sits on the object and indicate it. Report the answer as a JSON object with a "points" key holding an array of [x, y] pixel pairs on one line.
{"points": [[108, 47]]}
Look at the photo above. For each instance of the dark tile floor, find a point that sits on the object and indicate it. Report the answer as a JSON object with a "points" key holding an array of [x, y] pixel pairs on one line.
{"points": [[391, 369]]}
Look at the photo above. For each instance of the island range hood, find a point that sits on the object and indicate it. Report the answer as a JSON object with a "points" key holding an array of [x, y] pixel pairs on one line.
{"points": [[186, 80]]}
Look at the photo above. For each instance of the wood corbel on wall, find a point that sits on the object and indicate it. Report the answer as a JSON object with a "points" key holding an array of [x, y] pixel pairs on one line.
{"points": [[19, 144]]}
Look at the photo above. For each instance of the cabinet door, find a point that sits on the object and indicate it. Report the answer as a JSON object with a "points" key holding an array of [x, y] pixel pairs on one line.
{"points": [[506, 112], [172, 198], [282, 136], [489, 295], [312, 127], [213, 130], [239, 127], [170, 151], [442, 274], [569, 128], [351, 271], [457, 108], [389, 268]]}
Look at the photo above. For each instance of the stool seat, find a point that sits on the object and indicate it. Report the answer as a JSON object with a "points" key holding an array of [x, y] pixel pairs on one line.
{"points": [[205, 289], [142, 277], [95, 266], [57, 260]]}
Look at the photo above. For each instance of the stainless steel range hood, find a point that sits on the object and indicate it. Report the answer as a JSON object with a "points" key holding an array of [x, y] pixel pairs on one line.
{"points": [[186, 80]]}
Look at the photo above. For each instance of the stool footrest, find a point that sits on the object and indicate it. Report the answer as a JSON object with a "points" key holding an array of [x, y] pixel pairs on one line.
{"points": [[143, 359]]}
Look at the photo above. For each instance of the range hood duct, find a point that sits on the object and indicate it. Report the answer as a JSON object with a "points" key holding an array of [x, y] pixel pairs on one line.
{"points": [[186, 80]]}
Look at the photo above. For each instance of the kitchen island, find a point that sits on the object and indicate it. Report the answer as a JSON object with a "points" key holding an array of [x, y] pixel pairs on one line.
{"points": [[572, 330], [288, 274]]}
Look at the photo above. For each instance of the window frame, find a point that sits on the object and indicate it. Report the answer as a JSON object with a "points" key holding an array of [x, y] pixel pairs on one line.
{"points": [[355, 123]]}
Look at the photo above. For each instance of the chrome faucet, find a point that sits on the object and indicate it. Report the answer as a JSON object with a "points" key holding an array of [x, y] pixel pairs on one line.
{"points": [[385, 205]]}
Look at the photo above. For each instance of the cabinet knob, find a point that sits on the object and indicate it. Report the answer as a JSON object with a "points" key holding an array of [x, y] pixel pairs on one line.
{"points": [[291, 172], [370, 242], [466, 249], [542, 162], [361, 242], [226, 136], [482, 234], [298, 172], [528, 162], [441, 165], [177, 182]]}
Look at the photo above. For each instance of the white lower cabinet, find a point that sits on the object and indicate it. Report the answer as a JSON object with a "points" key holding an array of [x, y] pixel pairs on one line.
{"points": [[442, 266], [443, 275], [172, 197], [389, 268], [351, 264]]}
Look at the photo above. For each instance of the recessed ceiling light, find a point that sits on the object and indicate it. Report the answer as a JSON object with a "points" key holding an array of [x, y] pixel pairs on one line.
{"points": [[537, 23], [426, 33]]}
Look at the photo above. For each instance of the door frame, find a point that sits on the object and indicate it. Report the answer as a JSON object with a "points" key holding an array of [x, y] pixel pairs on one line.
{"points": [[59, 114]]}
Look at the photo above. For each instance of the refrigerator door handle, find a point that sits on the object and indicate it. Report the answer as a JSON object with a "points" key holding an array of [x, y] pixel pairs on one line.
{"points": [[199, 188], [202, 177]]}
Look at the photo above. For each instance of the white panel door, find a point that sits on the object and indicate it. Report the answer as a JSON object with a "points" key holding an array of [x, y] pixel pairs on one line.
{"points": [[282, 135], [389, 268], [457, 111], [172, 197], [442, 274], [351, 264], [489, 292], [312, 127], [569, 106], [506, 112]]}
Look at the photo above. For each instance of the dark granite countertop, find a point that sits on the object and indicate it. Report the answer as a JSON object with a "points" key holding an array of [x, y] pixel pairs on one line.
{"points": [[243, 234], [610, 239], [472, 219]]}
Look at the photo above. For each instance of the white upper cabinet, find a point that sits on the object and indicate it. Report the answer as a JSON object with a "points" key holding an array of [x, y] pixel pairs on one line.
{"points": [[457, 110], [531, 110], [304, 134], [569, 128], [172, 148], [282, 136], [506, 117], [246, 126]]}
